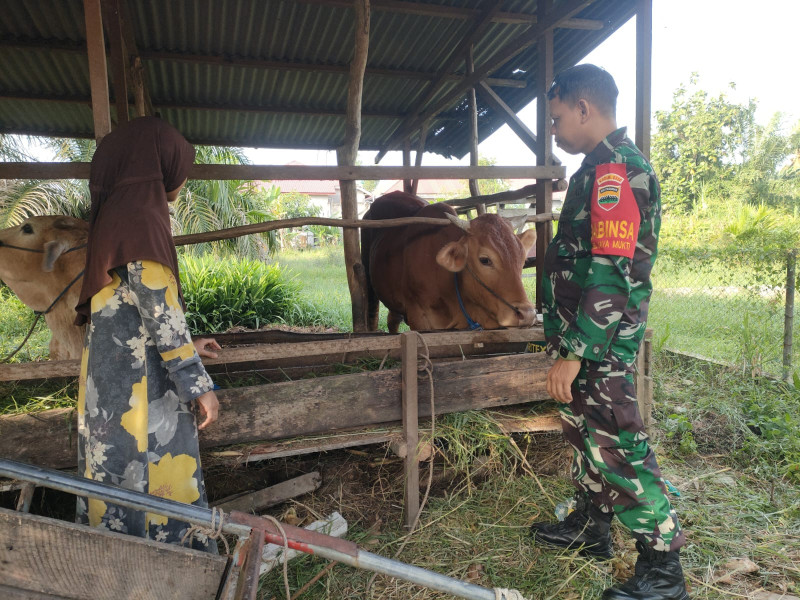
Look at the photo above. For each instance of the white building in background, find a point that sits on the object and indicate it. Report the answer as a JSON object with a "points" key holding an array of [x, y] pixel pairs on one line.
{"points": [[322, 193]]}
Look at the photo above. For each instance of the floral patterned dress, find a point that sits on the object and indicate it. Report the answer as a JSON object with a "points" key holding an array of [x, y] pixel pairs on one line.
{"points": [[139, 375]]}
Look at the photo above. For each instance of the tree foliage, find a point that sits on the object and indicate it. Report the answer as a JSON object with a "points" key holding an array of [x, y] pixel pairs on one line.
{"points": [[710, 146], [201, 207]]}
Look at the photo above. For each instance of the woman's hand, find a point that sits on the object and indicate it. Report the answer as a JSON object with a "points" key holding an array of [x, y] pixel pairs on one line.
{"points": [[209, 407], [204, 347]]}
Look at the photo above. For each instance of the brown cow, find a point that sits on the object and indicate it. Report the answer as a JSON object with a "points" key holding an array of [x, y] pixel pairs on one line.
{"points": [[414, 270], [39, 274]]}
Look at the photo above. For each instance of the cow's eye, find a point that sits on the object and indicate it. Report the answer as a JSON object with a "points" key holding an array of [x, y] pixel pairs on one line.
{"points": [[27, 228], [485, 261]]}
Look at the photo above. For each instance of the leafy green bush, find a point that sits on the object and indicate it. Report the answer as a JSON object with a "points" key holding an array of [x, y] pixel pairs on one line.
{"points": [[222, 293]]}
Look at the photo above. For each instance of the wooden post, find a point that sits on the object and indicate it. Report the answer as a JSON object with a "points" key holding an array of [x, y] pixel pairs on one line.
{"points": [[644, 56], [408, 350], [346, 156], [137, 81], [423, 134], [407, 185], [473, 126], [119, 57], [544, 145], [98, 75]]}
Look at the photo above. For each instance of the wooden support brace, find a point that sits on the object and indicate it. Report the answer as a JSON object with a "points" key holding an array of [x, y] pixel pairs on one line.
{"points": [[25, 497], [247, 587], [408, 345]]}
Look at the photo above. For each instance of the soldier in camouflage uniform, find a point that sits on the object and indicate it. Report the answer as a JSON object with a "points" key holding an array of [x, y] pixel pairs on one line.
{"points": [[596, 292]]}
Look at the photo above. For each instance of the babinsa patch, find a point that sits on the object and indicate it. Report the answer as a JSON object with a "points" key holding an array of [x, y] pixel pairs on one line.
{"points": [[609, 187], [615, 215]]}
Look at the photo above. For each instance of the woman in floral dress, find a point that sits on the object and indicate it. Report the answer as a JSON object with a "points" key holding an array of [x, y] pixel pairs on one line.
{"points": [[141, 375]]}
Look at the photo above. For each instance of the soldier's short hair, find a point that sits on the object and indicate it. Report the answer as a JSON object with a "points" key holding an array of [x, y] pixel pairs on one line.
{"points": [[589, 82]]}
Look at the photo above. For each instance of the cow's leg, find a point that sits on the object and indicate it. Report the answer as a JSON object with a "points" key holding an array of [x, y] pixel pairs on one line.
{"points": [[393, 321]]}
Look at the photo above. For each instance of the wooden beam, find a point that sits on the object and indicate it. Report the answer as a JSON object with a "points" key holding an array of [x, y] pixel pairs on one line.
{"points": [[478, 28], [346, 156], [543, 146], [266, 110], [516, 45], [98, 75], [80, 170], [119, 57], [509, 116], [408, 390], [407, 185], [296, 350], [454, 12], [644, 60], [308, 406], [272, 495]]}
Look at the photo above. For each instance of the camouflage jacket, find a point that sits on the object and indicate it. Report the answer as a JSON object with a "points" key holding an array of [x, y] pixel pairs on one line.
{"points": [[597, 268]]}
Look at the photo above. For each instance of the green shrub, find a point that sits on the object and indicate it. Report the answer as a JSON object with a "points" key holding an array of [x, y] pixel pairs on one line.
{"points": [[224, 292]]}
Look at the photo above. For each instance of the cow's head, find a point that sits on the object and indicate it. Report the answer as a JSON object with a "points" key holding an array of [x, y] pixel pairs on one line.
{"points": [[490, 252], [31, 260]]}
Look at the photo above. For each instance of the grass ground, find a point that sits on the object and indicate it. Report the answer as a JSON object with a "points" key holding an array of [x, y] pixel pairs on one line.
{"points": [[731, 502], [728, 443]]}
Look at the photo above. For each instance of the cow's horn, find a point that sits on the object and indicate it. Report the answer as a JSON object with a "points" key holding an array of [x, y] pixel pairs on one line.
{"points": [[517, 222], [459, 222]]}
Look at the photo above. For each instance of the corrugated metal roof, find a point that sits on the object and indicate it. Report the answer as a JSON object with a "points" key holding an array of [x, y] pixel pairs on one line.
{"points": [[273, 73]]}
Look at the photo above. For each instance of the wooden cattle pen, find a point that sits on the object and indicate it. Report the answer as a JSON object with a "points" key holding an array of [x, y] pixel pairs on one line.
{"points": [[426, 75]]}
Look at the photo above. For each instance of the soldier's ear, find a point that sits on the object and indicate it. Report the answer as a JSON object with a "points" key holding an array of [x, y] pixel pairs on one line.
{"points": [[453, 256]]}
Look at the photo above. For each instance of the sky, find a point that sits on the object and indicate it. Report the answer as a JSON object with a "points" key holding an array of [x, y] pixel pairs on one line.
{"points": [[723, 41]]}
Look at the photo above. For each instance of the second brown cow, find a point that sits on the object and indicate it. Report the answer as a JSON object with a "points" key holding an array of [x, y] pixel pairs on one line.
{"points": [[419, 271]]}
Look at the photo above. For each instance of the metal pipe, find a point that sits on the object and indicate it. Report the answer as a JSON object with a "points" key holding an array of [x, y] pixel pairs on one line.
{"points": [[202, 516]]}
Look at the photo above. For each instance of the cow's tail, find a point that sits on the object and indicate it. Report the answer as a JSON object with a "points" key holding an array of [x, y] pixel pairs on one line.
{"points": [[373, 304]]}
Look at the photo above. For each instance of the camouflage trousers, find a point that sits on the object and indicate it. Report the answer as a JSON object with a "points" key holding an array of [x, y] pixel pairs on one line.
{"points": [[613, 463]]}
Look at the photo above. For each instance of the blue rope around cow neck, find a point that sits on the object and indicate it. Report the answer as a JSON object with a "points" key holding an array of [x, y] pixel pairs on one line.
{"points": [[472, 324]]}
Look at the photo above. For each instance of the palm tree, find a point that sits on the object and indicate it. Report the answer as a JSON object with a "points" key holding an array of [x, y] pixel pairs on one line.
{"points": [[206, 205], [23, 198], [202, 206]]}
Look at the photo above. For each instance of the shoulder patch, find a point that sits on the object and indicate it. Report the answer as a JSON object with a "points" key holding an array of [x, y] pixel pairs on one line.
{"points": [[614, 213]]}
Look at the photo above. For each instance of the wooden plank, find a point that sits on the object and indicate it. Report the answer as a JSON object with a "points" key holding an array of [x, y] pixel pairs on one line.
{"points": [[473, 129], [309, 406], [98, 75], [274, 494], [408, 389], [265, 353], [46, 556], [214, 172]]}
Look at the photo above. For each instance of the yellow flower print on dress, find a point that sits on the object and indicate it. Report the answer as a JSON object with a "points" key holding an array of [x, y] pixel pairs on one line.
{"points": [[97, 508], [82, 383], [173, 478], [158, 277], [107, 299], [135, 420]]}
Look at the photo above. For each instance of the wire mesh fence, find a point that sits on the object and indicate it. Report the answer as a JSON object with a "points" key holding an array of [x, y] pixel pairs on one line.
{"points": [[732, 308]]}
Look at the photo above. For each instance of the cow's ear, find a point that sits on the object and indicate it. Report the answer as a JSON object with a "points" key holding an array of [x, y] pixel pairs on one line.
{"points": [[52, 250], [63, 223], [528, 239], [453, 256]]}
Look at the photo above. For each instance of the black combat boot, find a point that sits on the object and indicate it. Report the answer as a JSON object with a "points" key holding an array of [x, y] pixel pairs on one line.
{"points": [[658, 576], [587, 528]]}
